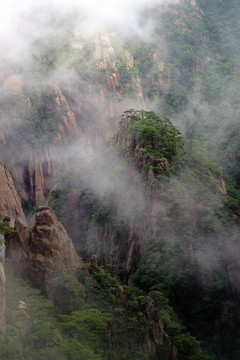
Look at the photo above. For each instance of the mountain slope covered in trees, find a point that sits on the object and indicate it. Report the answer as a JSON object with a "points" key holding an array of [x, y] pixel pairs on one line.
{"points": [[150, 198]]}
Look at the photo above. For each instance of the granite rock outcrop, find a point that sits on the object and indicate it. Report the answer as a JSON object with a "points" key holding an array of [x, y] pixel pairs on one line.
{"points": [[41, 254]]}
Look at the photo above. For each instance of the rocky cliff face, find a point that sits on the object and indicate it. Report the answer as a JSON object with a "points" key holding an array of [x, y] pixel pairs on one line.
{"points": [[153, 340], [35, 123], [41, 254], [2, 301], [156, 339], [125, 253], [109, 81], [141, 160], [31, 160], [10, 203]]}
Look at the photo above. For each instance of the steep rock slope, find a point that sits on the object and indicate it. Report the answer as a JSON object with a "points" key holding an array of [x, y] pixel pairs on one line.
{"points": [[40, 123], [10, 203], [154, 224], [42, 254], [178, 227], [32, 127], [103, 82], [157, 340], [125, 218]]}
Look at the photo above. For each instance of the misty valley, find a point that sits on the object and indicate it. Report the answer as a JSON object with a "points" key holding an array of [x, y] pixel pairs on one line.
{"points": [[119, 180]]}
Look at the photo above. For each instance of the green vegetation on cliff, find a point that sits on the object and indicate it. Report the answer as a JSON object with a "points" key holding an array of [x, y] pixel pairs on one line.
{"points": [[93, 318], [160, 212], [191, 211]]}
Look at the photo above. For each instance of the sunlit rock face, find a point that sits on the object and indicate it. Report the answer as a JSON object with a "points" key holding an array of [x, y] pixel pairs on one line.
{"points": [[41, 254], [10, 203]]}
